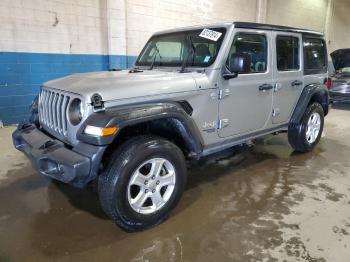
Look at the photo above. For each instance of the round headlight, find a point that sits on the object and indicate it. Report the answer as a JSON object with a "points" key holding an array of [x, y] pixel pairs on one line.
{"points": [[76, 111]]}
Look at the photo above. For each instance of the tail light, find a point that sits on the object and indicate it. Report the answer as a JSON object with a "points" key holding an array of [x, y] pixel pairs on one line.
{"points": [[328, 83]]}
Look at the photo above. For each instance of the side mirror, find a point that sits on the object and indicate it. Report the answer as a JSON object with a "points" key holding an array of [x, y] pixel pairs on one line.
{"points": [[238, 63]]}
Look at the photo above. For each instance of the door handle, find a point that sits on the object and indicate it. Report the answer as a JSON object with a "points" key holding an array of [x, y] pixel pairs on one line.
{"points": [[296, 83], [265, 87]]}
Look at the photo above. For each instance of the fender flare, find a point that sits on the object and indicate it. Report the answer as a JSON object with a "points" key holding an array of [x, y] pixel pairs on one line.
{"points": [[312, 91], [142, 113]]}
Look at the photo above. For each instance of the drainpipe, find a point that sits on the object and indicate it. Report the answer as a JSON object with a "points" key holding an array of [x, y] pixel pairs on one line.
{"points": [[329, 22], [108, 33], [126, 31], [261, 10]]}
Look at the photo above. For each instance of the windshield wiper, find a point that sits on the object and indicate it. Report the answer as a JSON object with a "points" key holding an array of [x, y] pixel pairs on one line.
{"points": [[155, 56], [193, 51]]}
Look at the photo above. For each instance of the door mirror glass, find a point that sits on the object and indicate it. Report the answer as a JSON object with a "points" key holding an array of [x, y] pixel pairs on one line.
{"points": [[240, 63]]}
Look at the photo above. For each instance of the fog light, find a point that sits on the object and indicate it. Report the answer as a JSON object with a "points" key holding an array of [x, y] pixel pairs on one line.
{"points": [[100, 131]]}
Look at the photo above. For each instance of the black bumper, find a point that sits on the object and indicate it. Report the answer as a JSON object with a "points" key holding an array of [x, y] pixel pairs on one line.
{"points": [[50, 157]]}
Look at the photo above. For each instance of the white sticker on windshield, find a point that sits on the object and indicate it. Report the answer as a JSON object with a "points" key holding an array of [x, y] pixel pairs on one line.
{"points": [[210, 34], [206, 59]]}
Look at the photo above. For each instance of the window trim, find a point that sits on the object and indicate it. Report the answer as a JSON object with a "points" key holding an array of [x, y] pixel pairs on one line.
{"points": [[267, 50], [299, 53], [323, 70]]}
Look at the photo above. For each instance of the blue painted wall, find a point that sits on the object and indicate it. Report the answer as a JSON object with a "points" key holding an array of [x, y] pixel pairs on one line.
{"points": [[21, 75]]}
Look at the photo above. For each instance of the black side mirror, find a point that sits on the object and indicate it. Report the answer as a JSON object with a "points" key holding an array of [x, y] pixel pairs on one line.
{"points": [[238, 63]]}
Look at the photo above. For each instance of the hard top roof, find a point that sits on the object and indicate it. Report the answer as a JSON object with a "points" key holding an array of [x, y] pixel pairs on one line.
{"points": [[249, 25]]}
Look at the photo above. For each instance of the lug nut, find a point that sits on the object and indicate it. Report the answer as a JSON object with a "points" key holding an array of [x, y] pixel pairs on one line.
{"points": [[158, 182], [146, 191], [153, 190], [153, 177], [146, 182]]}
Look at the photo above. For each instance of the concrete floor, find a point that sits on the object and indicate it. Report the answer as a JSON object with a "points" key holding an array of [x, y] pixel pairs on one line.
{"points": [[262, 203]]}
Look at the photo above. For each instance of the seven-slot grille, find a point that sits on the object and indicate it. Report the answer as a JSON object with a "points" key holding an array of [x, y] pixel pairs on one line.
{"points": [[52, 110]]}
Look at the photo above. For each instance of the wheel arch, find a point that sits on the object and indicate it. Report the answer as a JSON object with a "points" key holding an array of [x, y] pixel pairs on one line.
{"points": [[311, 93], [169, 120]]}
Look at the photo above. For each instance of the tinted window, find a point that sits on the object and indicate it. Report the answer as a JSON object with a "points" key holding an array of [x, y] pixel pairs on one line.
{"points": [[173, 48], [314, 55], [253, 44], [287, 53]]}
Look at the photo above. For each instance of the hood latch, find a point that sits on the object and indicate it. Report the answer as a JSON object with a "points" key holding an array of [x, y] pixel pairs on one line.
{"points": [[97, 102]]}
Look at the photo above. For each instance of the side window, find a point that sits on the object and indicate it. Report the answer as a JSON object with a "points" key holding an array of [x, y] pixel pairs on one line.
{"points": [[315, 61], [253, 44], [287, 49]]}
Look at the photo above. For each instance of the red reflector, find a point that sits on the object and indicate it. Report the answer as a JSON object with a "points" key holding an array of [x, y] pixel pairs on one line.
{"points": [[328, 83]]}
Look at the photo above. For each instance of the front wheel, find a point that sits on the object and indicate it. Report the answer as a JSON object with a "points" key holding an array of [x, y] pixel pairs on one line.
{"points": [[306, 134], [143, 182]]}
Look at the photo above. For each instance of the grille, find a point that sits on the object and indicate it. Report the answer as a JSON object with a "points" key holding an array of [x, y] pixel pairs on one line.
{"points": [[52, 110]]}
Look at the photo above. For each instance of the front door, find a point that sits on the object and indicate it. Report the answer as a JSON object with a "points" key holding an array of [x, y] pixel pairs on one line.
{"points": [[245, 104], [288, 75]]}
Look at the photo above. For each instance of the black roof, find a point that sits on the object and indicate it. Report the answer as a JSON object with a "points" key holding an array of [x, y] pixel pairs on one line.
{"points": [[249, 25]]}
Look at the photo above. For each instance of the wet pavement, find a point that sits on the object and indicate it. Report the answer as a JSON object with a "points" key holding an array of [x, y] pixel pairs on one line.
{"points": [[259, 203]]}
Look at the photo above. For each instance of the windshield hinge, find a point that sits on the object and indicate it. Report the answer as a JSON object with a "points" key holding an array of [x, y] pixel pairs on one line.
{"points": [[223, 93], [223, 123]]}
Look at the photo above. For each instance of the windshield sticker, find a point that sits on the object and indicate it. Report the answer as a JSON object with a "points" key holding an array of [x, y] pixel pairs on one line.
{"points": [[206, 59], [210, 34]]}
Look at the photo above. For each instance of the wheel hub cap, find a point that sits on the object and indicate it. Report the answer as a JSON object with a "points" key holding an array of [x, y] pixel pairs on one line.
{"points": [[151, 185], [313, 127]]}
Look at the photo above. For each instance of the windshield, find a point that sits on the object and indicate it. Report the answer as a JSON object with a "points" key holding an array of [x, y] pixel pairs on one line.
{"points": [[198, 47]]}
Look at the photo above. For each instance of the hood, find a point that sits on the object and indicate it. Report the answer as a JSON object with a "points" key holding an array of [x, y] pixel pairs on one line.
{"points": [[117, 85], [341, 58]]}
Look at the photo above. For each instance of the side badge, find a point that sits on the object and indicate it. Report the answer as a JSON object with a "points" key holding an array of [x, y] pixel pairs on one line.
{"points": [[209, 126]]}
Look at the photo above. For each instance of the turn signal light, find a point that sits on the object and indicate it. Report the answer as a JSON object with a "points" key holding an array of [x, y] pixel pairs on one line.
{"points": [[100, 131]]}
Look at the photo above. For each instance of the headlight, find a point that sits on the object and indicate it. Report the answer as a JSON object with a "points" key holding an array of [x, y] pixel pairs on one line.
{"points": [[76, 111]]}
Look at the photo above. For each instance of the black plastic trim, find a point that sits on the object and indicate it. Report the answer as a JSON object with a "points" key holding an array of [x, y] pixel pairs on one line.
{"points": [[76, 165], [142, 113], [316, 91]]}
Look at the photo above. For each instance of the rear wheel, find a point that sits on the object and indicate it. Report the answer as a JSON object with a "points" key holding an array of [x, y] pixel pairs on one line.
{"points": [[306, 134], [143, 182]]}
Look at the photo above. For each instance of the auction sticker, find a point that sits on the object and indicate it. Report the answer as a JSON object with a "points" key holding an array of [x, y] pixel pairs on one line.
{"points": [[210, 34]]}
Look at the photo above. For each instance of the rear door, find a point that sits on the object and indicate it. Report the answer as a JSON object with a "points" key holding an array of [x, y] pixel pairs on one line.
{"points": [[288, 74]]}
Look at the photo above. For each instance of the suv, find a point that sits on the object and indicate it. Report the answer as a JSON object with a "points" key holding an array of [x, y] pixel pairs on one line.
{"points": [[193, 92]]}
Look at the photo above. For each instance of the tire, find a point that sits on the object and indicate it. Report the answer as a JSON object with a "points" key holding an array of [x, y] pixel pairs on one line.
{"points": [[117, 195], [298, 135]]}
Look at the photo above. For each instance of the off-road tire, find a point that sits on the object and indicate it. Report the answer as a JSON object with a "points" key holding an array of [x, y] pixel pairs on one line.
{"points": [[113, 182], [297, 131]]}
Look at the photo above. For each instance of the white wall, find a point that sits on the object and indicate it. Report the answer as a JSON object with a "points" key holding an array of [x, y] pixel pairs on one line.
{"points": [[146, 17], [123, 26], [31, 26], [310, 14], [338, 32]]}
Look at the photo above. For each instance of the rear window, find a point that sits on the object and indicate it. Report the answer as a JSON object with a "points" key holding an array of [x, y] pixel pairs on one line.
{"points": [[315, 59]]}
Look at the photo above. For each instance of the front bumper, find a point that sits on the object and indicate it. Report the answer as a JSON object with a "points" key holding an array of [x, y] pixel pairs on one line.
{"points": [[50, 157]]}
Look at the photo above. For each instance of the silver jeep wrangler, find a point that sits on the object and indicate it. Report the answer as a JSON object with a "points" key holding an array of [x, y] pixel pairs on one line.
{"points": [[193, 92]]}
